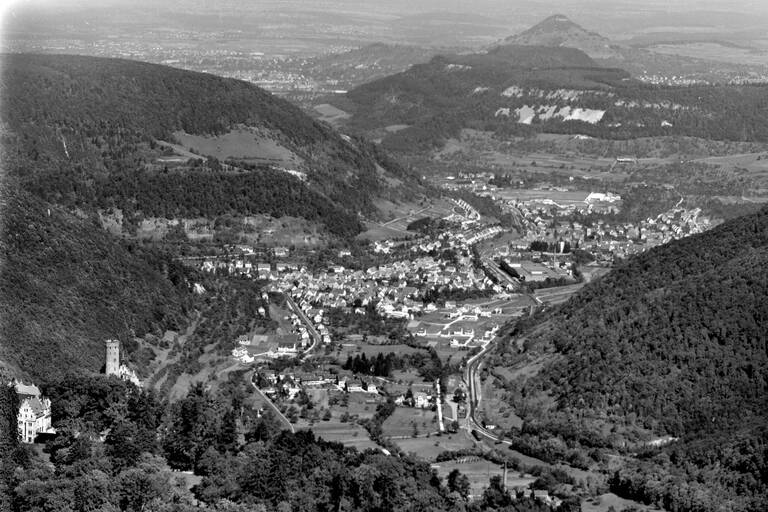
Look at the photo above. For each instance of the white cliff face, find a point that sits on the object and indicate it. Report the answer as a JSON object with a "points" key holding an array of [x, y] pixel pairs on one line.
{"points": [[528, 114]]}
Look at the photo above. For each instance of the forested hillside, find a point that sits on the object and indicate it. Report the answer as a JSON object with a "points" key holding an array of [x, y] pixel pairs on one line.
{"points": [[671, 343], [677, 335], [76, 124], [66, 286], [519, 90]]}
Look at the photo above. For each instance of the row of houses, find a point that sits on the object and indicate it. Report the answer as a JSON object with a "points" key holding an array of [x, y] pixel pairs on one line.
{"points": [[291, 384]]}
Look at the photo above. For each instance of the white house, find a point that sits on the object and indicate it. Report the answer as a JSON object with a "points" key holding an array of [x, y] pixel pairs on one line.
{"points": [[34, 413], [420, 400]]}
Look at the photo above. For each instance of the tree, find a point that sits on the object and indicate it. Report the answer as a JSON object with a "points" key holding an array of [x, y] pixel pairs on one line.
{"points": [[194, 424], [48, 494], [93, 491], [495, 495], [125, 444], [150, 481], [459, 483], [228, 434]]}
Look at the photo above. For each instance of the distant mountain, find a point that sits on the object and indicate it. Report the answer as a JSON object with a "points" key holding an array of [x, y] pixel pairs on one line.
{"points": [[78, 125], [673, 342], [559, 30]]}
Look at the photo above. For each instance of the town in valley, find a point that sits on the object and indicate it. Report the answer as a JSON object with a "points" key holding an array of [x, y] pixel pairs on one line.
{"points": [[376, 256]]}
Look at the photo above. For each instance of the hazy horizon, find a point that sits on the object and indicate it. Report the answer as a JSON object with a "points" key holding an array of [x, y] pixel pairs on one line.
{"points": [[611, 18]]}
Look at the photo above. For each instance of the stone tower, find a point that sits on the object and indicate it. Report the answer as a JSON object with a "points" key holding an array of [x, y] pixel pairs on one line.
{"points": [[113, 357]]}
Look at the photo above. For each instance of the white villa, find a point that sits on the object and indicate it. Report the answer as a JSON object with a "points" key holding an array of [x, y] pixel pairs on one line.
{"points": [[34, 413]]}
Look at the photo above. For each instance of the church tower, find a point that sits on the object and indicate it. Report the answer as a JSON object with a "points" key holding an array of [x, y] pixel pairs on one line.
{"points": [[113, 357]]}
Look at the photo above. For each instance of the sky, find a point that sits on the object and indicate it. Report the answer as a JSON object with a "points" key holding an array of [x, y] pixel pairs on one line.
{"points": [[613, 18]]}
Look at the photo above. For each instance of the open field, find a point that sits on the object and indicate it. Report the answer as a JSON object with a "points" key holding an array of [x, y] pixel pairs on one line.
{"points": [[483, 150], [714, 51], [409, 376], [755, 162], [181, 155], [428, 448], [255, 146], [361, 405], [377, 232], [449, 355], [331, 114], [397, 216], [480, 472], [319, 397], [558, 295], [349, 434], [401, 422]]}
